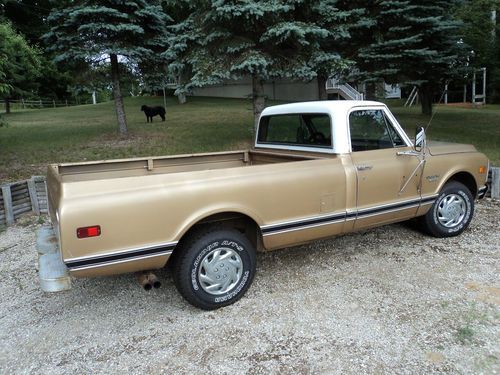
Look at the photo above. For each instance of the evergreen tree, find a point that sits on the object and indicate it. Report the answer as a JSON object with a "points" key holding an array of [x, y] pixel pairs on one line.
{"points": [[332, 58], [19, 64], [231, 39], [92, 29], [415, 42], [184, 37]]}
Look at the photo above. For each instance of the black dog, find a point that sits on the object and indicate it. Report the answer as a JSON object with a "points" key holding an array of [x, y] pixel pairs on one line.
{"points": [[153, 111]]}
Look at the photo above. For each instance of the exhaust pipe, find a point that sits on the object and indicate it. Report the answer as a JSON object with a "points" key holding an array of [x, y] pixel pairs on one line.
{"points": [[153, 280], [148, 280], [143, 280]]}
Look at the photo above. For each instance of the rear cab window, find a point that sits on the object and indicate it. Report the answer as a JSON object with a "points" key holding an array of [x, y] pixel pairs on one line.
{"points": [[300, 130]]}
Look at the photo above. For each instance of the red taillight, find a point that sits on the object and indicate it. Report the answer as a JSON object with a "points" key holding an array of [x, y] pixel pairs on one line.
{"points": [[86, 232]]}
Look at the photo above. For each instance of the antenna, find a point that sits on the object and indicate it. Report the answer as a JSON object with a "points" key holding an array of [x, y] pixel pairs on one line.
{"points": [[439, 102]]}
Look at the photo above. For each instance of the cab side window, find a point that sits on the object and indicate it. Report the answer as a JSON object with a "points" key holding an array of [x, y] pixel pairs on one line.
{"points": [[371, 130]]}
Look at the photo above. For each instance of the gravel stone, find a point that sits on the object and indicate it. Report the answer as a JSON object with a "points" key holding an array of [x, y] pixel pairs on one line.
{"points": [[383, 301]]}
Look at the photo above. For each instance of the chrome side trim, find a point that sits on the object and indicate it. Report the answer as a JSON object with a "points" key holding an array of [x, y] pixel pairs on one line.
{"points": [[120, 256], [120, 261], [303, 227], [324, 216], [119, 252], [339, 217]]}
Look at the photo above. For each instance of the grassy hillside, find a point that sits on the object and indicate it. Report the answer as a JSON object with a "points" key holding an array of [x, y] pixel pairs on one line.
{"points": [[35, 138]]}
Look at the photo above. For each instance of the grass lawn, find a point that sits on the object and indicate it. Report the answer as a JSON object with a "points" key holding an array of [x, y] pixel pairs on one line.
{"points": [[35, 138]]}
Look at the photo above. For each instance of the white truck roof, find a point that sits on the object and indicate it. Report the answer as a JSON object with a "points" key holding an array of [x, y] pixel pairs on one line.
{"points": [[324, 106]]}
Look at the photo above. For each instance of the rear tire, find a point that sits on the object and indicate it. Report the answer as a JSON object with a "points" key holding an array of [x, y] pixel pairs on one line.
{"points": [[214, 268], [451, 213]]}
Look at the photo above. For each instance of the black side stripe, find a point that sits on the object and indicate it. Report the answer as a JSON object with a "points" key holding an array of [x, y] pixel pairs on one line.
{"points": [[114, 257], [306, 222], [344, 216], [392, 207]]}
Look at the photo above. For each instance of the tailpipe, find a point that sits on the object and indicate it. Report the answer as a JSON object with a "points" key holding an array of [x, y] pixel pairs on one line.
{"points": [[148, 280], [153, 280]]}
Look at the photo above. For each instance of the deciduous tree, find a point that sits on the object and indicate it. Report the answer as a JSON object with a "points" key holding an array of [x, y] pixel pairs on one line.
{"points": [[19, 64], [481, 31]]}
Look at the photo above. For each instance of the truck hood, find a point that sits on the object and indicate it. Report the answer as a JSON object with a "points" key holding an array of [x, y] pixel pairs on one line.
{"points": [[443, 148]]}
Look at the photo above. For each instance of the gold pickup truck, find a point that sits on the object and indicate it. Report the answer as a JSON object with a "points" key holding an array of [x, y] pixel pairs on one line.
{"points": [[317, 169]]}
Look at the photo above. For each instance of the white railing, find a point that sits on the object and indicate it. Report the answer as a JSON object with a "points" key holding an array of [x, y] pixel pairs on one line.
{"points": [[413, 97], [172, 83], [345, 89]]}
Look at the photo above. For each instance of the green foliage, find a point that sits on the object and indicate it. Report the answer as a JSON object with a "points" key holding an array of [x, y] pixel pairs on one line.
{"points": [[483, 37], [28, 17], [230, 39], [338, 20], [266, 39], [89, 29], [19, 63], [412, 42]]}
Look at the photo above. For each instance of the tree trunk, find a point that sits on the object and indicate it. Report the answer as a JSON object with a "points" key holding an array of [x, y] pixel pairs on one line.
{"points": [[117, 93], [322, 95], [7, 105], [371, 91], [181, 97], [184, 79], [425, 92], [259, 100]]}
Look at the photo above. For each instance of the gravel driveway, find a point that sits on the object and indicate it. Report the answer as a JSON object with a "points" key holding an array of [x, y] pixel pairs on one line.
{"points": [[383, 301]]}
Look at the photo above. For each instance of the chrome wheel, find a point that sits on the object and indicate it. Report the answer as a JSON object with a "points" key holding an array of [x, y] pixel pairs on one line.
{"points": [[451, 210], [220, 271]]}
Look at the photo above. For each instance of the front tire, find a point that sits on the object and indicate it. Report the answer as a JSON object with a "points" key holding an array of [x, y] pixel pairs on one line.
{"points": [[451, 213], [215, 268]]}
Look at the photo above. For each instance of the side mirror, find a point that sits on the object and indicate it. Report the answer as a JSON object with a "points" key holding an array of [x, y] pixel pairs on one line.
{"points": [[420, 139]]}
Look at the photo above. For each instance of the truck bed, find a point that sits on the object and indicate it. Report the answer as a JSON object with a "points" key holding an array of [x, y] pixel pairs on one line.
{"points": [[73, 172]]}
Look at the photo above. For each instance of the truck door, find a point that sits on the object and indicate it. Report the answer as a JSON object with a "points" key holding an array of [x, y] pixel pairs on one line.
{"points": [[387, 183]]}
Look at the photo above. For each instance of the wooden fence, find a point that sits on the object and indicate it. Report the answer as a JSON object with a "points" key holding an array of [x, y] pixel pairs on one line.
{"points": [[22, 197], [30, 196], [40, 103]]}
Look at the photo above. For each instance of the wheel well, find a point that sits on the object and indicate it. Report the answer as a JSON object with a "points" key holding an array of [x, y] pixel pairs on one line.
{"points": [[467, 179], [245, 224]]}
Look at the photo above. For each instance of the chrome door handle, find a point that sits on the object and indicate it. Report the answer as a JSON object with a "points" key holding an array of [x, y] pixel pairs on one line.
{"points": [[364, 167]]}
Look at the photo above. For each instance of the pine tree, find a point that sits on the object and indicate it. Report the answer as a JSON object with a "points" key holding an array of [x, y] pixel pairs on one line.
{"points": [[414, 42], [89, 30], [231, 39], [332, 57], [184, 37]]}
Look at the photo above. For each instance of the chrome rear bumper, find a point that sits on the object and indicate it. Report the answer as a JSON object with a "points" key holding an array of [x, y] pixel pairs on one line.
{"points": [[53, 274]]}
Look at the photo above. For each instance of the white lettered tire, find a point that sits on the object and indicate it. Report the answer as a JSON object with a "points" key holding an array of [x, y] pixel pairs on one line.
{"points": [[451, 213], [214, 268]]}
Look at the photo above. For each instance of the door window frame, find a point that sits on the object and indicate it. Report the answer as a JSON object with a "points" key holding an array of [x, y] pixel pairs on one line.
{"points": [[391, 121]]}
